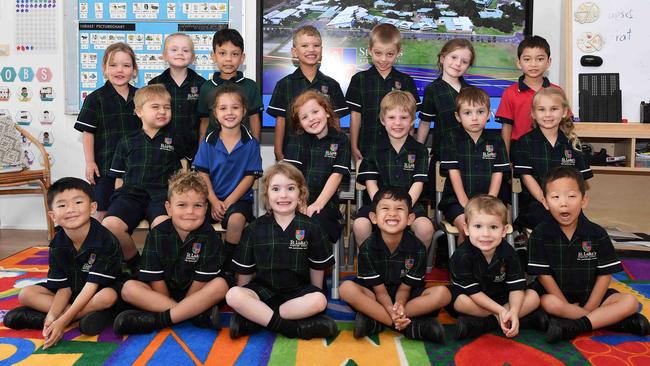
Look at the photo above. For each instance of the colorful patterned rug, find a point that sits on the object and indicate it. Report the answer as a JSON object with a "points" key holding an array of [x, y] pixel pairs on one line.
{"points": [[186, 345]]}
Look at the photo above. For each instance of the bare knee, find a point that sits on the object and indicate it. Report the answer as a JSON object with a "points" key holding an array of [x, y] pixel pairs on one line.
{"points": [[347, 290], [130, 290], [27, 293], [423, 229], [631, 304], [158, 220], [361, 227], [235, 297], [105, 298], [114, 224], [317, 301], [552, 304]]}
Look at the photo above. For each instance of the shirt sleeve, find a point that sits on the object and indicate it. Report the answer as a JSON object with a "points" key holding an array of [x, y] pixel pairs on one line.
{"points": [[279, 100], [57, 276], [608, 262], [320, 250], [515, 277], [338, 101], [421, 165], [256, 105], [292, 154], [343, 157], [582, 165], [411, 88], [428, 109], [151, 269], [210, 261], [118, 166], [87, 120], [202, 159], [415, 276], [353, 97], [521, 159], [501, 163], [203, 107], [366, 272], [243, 259], [462, 275], [449, 155], [368, 170], [108, 262], [505, 113], [254, 161], [537, 259]]}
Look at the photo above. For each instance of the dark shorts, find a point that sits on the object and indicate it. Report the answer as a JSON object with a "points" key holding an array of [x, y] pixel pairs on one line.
{"points": [[392, 291], [456, 292], [329, 220], [274, 298], [418, 210], [242, 207], [537, 287], [117, 286], [103, 190], [132, 209], [531, 212], [452, 211]]}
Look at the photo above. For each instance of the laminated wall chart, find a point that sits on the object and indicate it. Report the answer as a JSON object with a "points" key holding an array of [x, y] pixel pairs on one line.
{"points": [[144, 26]]}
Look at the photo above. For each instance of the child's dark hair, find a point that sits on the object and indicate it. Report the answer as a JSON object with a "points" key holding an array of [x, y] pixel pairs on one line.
{"points": [[227, 35], [534, 42], [395, 194], [472, 96], [66, 184], [560, 172], [304, 97], [229, 88]]}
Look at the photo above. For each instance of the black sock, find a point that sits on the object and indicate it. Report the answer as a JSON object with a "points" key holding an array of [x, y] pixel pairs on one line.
{"points": [[164, 319], [286, 327], [584, 323], [228, 251]]}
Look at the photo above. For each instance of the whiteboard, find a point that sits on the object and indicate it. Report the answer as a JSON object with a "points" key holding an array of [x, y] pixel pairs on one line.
{"points": [[617, 31]]}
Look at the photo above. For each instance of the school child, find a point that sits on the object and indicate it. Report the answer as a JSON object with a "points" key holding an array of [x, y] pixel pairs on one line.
{"points": [[367, 88], [84, 263], [288, 253], [390, 277], [397, 160], [229, 161], [574, 260], [322, 153], [105, 117], [181, 276], [228, 54], [488, 282], [182, 83], [551, 143], [474, 160], [142, 165], [439, 104], [307, 48], [533, 59]]}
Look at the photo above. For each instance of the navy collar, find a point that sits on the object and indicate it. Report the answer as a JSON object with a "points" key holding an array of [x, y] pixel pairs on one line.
{"points": [[92, 240], [217, 80], [213, 136], [168, 227], [166, 76], [406, 245], [536, 134], [110, 91], [523, 87]]}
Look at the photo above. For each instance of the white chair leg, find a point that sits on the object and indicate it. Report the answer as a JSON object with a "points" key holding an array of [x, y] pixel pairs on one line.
{"points": [[451, 243], [352, 248], [335, 271]]}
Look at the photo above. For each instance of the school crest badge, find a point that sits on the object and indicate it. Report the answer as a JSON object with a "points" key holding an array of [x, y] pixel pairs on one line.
{"points": [[300, 234], [489, 148], [411, 158], [194, 89], [489, 153], [168, 140], [331, 152], [409, 263], [324, 89], [334, 147], [398, 85], [196, 248], [568, 158], [568, 154], [92, 258], [586, 246]]}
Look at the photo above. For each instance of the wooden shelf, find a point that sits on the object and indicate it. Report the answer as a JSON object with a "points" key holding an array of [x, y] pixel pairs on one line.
{"points": [[619, 170], [613, 130]]}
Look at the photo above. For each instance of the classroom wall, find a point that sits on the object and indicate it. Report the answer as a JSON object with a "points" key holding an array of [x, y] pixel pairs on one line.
{"points": [[26, 212]]}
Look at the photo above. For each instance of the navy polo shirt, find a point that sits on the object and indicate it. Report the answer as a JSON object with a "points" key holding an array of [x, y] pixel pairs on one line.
{"points": [[227, 169]]}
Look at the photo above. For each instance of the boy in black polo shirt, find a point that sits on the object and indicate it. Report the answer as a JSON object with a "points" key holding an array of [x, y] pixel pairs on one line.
{"points": [[180, 277], [488, 283], [307, 48], [367, 88], [398, 160], [475, 160], [84, 260], [574, 260], [392, 262], [228, 54], [142, 165]]}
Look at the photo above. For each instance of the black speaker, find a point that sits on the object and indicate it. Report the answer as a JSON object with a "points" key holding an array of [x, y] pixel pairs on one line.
{"points": [[591, 60], [645, 112]]}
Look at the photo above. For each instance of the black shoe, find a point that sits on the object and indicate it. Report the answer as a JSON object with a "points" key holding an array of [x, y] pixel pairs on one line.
{"points": [[240, 326], [561, 329], [474, 326], [135, 322], [208, 319], [426, 329], [317, 326], [537, 320], [366, 326], [635, 324], [93, 323], [24, 318]]}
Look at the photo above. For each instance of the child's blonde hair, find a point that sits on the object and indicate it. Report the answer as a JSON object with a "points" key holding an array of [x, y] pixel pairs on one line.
{"points": [[184, 181], [566, 124], [179, 35], [115, 48], [146, 93], [304, 97], [454, 44], [308, 30], [489, 205], [385, 33], [290, 172], [398, 98]]}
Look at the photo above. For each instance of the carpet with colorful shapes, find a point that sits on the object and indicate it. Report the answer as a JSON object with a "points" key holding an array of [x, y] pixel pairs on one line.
{"points": [[184, 344]]}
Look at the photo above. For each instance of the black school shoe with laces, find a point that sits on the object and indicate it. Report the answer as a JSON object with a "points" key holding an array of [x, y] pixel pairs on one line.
{"points": [[317, 326], [636, 324], [24, 318], [240, 326], [208, 319], [93, 323], [365, 326], [425, 329], [562, 329], [474, 326], [537, 320], [135, 322]]}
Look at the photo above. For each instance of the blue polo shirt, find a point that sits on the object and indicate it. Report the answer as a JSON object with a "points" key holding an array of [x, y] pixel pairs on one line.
{"points": [[227, 169]]}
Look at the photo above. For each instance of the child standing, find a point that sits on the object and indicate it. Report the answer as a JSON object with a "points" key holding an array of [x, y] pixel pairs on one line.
{"points": [[367, 88], [228, 54], [392, 263], [475, 160], [181, 276], [105, 117], [307, 48], [84, 262], [182, 83], [574, 260], [288, 253], [397, 160], [229, 161], [488, 283], [551, 143], [322, 153]]}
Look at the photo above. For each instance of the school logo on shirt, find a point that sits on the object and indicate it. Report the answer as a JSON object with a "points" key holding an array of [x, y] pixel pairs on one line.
{"points": [[587, 254], [410, 162], [300, 234], [300, 242], [167, 144], [324, 89], [196, 248], [568, 158], [502, 274], [91, 260], [489, 153], [398, 85], [409, 263], [194, 93], [331, 152]]}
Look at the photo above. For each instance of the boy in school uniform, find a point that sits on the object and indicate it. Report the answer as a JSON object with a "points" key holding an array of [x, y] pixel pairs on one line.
{"points": [[367, 88], [574, 260], [390, 277], [228, 54], [142, 165], [85, 261], [488, 283], [533, 58], [307, 48], [181, 276], [397, 160], [475, 160]]}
